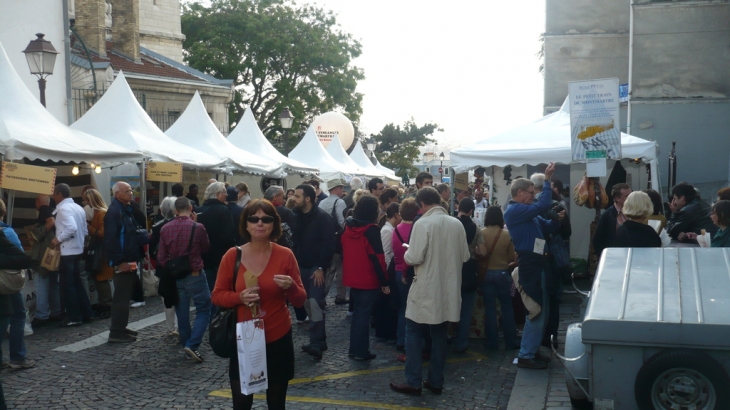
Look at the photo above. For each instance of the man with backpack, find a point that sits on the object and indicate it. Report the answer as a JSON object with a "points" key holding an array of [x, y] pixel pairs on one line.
{"points": [[335, 206]]}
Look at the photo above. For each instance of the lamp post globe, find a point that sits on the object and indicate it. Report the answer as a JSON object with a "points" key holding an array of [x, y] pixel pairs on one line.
{"points": [[441, 168], [41, 57], [287, 120]]}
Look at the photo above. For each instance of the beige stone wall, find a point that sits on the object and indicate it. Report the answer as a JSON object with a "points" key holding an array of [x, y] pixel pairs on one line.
{"points": [[90, 23], [159, 26]]}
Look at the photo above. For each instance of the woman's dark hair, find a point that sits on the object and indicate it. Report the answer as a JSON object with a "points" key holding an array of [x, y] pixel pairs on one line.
{"points": [[251, 209], [656, 200], [408, 209], [723, 194], [466, 205], [392, 210], [366, 209], [387, 195], [494, 216], [721, 209]]}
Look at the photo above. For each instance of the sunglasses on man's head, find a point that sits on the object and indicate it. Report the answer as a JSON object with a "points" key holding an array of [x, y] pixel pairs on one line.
{"points": [[265, 219]]}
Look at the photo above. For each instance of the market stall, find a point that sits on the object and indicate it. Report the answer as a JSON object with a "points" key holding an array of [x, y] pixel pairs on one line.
{"points": [[311, 152]]}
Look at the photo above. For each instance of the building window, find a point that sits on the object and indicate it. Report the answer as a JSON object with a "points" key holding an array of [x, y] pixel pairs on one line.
{"points": [[446, 170], [428, 169]]}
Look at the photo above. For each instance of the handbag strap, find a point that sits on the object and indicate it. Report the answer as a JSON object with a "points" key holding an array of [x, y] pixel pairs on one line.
{"points": [[400, 237], [237, 266], [491, 250], [190, 241]]}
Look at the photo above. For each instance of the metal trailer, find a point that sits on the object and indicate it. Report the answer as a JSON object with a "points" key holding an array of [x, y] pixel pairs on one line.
{"points": [[656, 332]]}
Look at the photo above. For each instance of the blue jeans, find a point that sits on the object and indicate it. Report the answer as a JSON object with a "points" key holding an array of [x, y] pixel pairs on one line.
{"points": [[468, 299], [75, 298], [402, 302], [364, 300], [414, 350], [48, 295], [195, 288], [497, 285], [16, 341], [533, 331]]}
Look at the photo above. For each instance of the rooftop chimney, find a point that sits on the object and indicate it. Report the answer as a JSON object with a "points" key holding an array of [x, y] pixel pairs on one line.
{"points": [[90, 24], [125, 28]]}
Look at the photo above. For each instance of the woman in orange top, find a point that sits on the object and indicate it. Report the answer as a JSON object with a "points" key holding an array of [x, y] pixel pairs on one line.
{"points": [[278, 280], [96, 230]]}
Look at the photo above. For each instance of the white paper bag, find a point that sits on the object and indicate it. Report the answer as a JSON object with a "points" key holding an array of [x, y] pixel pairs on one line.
{"points": [[705, 239], [252, 356]]}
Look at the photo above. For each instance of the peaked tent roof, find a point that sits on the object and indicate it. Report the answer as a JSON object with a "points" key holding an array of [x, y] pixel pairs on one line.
{"points": [[389, 173], [545, 140], [28, 130], [118, 117], [247, 134], [195, 129], [311, 152], [359, 157], [340, 155]]}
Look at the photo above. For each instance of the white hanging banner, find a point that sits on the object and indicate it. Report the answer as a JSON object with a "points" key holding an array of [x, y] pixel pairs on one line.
{"points": [[594, 118], [252, 356]]}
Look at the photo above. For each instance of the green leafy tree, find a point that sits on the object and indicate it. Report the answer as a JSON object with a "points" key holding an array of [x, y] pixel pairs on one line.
{"points": [[399, 147], [279, 54]]}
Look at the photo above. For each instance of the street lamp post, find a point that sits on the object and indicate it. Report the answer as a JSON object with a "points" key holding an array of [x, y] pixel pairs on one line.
{"points": [[286, 120], [371, 144], [41, 58], [441, 168]]}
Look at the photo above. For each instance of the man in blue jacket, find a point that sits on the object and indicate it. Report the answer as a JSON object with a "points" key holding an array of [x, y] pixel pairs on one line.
{"points": [[121, 246], [528, 230]]}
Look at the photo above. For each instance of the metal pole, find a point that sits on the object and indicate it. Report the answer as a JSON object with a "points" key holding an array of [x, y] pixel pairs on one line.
{"points": [[11, 206], [42, 87], [143, 188], [67, 63]]}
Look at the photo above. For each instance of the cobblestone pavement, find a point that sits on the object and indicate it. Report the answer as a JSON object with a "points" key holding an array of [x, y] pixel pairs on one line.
{"points": [[152, 373]]}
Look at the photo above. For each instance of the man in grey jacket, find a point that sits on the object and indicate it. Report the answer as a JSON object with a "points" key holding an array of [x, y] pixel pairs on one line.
{"points": [[71, 231]]}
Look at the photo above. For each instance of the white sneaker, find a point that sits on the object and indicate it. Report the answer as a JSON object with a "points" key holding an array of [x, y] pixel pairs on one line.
{"points": [[137, 304], [174, 333]]}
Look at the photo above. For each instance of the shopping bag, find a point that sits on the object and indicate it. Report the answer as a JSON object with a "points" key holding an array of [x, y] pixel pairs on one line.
{"points": [[704, 239], [252, 356], [150, 281], [51, 259]]}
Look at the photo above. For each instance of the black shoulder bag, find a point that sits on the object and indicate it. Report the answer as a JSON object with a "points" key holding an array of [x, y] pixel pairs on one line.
{"points": [[179, 267], [222, 329]]}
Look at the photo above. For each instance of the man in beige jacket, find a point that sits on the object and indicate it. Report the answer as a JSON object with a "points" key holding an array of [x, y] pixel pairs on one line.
{"points": [[438, 248]]}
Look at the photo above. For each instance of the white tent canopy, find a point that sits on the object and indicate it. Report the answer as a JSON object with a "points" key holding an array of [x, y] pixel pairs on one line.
{"points": [[247, 134], [195, 129], [28, 130], [545, 140], [389, 173], [118, 117], [346, 163], [359, 157], [311, 152]]}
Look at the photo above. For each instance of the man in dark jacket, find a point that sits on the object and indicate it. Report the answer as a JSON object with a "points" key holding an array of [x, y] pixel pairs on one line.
{"points": [[218, 222], [236, 211], [611, 219], [275, 195], [314, 245], [688, 214], [121, 246]]}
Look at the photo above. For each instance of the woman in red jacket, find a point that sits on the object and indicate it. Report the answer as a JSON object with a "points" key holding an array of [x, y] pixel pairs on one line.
{"points": [[278, 280], [363, 270]]}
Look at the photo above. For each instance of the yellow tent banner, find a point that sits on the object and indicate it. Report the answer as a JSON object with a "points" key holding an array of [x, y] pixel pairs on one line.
{"points": [[164, 171], [28, 178]]}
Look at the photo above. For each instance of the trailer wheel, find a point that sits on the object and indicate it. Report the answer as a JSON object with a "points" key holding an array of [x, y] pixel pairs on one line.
{"points": [[682, 379], [582, 404]]}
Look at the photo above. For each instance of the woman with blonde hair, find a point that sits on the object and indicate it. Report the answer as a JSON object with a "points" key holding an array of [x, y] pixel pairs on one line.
{"points": [[103, 273], [635, 233]]}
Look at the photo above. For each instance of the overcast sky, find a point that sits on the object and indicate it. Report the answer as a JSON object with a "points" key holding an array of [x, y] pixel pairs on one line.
{"points": [[469, 66]]}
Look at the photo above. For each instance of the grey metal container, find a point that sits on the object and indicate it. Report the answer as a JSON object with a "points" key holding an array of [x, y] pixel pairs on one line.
{"points": [[657, 330]]}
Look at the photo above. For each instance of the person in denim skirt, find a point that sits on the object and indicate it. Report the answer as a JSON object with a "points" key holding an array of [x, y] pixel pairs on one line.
{"points": [[174, 240], [497, 282]]}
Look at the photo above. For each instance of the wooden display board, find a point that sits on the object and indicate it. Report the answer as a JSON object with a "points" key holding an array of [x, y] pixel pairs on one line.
{"points": [[164, 171], [28, 178]]}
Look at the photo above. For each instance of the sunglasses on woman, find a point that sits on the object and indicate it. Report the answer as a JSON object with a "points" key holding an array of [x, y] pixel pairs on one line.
{"points": [[264, 219]]}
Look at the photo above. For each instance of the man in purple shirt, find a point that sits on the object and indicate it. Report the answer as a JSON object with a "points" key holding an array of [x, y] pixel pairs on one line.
{"points": [[175, 242]]}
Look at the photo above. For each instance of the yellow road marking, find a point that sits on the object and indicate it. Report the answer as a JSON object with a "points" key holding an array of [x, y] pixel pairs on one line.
{"points": [[300, 399], [227, 392]]}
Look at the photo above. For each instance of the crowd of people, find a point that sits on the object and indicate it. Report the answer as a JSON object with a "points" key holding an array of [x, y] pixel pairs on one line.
{"points": [[413, 265]]}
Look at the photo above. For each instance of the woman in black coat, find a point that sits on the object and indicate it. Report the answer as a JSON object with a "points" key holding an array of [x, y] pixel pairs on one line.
{"points": [[635, 233], [11, 257]]}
